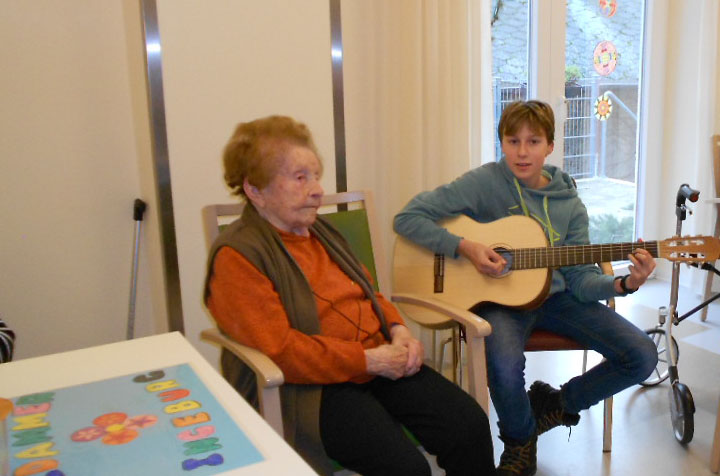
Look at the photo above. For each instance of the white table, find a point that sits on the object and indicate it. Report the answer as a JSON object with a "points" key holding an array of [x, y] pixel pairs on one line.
{"points": [[24, 377]]}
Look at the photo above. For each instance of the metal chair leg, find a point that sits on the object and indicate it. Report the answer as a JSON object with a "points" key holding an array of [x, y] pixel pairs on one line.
{"points": [[607, 425], [457, 357], [441, 364]]}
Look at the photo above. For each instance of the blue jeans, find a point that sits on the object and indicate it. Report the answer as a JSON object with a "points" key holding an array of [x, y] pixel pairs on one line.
{"points": [[630, 356]]}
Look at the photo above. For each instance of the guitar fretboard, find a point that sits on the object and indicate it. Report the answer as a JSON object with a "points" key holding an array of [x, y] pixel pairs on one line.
{"points": [[531, 258]]}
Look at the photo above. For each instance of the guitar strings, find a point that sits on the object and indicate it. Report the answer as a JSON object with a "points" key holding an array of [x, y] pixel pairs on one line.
{"points": [[542, 257]]}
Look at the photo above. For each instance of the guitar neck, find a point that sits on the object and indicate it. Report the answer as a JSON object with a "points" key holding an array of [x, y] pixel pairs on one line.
{"points": [[531, 258]]}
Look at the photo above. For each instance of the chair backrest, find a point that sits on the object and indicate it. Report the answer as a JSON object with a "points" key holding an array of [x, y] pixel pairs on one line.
{"points": [[716, 162], [352, 213]]}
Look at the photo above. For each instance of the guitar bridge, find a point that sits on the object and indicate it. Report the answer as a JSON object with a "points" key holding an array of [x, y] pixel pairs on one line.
{"points": [[439, 273]]}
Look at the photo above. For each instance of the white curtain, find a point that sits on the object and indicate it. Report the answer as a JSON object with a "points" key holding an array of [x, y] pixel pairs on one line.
{"points": [[687, 122], [417, 85]]}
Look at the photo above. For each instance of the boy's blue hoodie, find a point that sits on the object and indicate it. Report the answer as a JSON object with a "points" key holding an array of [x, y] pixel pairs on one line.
{"points": [[491, 192]]}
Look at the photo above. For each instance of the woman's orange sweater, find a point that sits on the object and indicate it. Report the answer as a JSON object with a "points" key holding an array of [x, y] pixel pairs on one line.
{"points": [[247, 308]]}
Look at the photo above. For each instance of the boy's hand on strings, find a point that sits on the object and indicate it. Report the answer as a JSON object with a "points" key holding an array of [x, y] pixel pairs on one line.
{"points": [[643, 264], [484, 258]]}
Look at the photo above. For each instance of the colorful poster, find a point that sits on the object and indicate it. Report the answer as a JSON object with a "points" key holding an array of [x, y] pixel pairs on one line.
{"points": [[160, 422], [605, 58]]}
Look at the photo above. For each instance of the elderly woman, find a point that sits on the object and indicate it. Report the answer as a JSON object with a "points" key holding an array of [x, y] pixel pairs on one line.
{"points": [[285, 282]]}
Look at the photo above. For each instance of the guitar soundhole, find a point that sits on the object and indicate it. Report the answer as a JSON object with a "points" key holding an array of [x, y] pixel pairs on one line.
{"points": [[508, 256]]}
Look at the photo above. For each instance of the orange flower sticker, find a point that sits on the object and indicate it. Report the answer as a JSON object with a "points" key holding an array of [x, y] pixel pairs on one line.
{"points": [[603, 107], [114, 428]]}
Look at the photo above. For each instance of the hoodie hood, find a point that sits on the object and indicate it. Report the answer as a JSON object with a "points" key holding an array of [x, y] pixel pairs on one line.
{"points": [[561, 185]]}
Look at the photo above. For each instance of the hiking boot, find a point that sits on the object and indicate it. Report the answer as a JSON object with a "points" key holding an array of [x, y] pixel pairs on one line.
{"points": [[518, 458], [547, 408]]}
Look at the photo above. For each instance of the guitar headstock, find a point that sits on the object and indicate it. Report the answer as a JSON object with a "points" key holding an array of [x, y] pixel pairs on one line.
{"points": [[690, 249]]}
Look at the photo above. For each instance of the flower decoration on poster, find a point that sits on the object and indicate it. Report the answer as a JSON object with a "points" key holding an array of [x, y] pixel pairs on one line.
{"points": [[603, 107], [605, 58], [608, 7], [114, 428]]}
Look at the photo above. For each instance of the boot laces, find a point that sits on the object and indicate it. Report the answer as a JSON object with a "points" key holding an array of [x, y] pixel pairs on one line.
{"points": [[516, 458], [550, 420]]}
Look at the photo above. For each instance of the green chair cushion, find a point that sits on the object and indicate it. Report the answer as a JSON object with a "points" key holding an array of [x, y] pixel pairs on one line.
{"points": [[353, 224]]}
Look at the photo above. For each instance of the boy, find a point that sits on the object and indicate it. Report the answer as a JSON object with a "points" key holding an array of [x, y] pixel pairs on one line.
{"points": [[521, 183]]}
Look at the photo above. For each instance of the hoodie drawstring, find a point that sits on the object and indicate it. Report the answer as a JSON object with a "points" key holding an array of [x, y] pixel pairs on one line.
{"points": [[552, 235]]}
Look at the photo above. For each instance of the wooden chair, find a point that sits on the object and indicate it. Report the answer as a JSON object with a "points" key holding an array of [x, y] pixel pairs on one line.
{"points": [[716, 232], [408, 277], [353, 213]]}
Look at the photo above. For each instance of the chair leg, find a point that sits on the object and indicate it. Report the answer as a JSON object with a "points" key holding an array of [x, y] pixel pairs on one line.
{"points": [[607, 425], [434, 354], [457, 357], [439, 366], [709, 277], [585, 355], [270, 407], [706, 295], [715, 454]]}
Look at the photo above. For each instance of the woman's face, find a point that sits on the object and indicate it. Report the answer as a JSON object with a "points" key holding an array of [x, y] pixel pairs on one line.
{"points": [[291, 200]]}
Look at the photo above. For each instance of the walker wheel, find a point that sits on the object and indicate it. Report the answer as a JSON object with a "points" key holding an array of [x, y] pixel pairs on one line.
{"points": [[682, 409], [660, 374]]}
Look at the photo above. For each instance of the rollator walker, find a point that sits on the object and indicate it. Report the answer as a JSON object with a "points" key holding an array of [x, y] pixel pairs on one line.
{"points": [[682, 407]]}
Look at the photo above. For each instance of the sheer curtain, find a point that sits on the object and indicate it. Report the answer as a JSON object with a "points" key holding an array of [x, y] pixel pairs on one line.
{"points": [[684, 49], [417, 96]]}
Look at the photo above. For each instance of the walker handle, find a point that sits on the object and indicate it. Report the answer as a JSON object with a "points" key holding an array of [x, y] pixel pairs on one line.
{"points": [[138, 209], [685, 192]]}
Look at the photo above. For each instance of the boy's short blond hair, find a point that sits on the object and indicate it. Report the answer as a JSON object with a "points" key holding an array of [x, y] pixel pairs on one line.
{"points": [[537, 115], [256, 150]]}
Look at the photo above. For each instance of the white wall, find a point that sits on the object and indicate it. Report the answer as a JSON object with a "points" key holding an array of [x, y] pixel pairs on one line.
{"points": [[70, 154], [226, 62]]}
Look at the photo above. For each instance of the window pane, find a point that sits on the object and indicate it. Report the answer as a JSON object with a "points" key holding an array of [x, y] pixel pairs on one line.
{"points": [[603, 58], [510, 26]]}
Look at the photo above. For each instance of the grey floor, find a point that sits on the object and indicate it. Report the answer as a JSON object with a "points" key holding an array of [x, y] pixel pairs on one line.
{"points": [[642, 436]]}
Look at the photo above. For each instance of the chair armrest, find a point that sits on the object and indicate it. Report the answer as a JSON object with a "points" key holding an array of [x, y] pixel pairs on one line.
{"points": [[268, 375], [475, 326], [476, 329], [267, 372]]}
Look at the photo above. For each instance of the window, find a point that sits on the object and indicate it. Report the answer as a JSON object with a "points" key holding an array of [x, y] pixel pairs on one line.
{"points": [[510, 41], [596, 98]]}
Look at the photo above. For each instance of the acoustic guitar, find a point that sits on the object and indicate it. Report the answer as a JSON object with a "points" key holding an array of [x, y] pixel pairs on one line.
{"points": [[525, 281]]}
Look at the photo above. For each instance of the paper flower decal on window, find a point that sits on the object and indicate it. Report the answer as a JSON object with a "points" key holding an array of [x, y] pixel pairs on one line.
{"points": [[608, 7], [605, 58], [114, 428], [603, 107]]}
